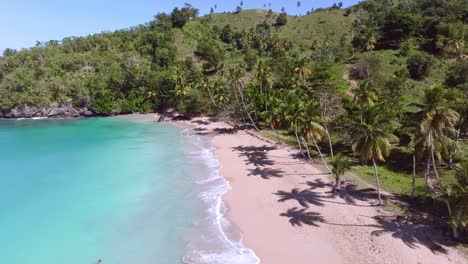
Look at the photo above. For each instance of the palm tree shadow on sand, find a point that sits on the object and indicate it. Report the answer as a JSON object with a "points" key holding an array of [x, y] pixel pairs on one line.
{"points": [[266, 173], [412, 234], [256, 156], [299, 217]]}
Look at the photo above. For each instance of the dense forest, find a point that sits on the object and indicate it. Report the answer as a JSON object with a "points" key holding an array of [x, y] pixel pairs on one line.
{"points": [[382, 83]]}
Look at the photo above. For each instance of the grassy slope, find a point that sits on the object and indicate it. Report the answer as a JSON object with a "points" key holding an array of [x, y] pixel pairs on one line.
{"points": [[302, 30]]}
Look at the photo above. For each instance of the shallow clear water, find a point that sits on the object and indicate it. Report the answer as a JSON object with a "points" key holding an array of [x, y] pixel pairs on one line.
{"points": [[75, 191]]}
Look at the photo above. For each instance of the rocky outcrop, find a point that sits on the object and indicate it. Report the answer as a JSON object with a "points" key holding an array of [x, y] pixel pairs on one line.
{"points": [[54, 110]]}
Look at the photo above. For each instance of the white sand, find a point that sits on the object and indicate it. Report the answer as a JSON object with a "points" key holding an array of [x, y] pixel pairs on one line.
{"points": [[319, 227]]}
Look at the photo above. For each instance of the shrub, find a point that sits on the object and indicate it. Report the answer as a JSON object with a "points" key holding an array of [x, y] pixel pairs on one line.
{"points": [[211, 53], [102, 106], [366, 67], [194, 103], [281, 20], [457, 76], [419, 65]]}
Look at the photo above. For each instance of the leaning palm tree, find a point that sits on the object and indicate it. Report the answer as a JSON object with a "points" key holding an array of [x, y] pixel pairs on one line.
{"points": [[312, 129], [457, 193], [436, 120], [237, 81], [371, 139]]}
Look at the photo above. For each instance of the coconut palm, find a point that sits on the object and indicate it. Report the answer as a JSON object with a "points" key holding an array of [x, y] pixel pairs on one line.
{"points": [[293, 112], [340, 165], [457, 193], [265, 79], [364, 96], [371, 139], [302, 70], [311, 127], [436, 119], [274, 117], [417, 145], [237, 81]]}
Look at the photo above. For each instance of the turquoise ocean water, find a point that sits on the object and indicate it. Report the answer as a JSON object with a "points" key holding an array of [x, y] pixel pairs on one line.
{"points": [[119, 190]]}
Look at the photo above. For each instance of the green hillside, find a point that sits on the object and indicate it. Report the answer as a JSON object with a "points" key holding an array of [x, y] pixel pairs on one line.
{"points": [[405, 97]]}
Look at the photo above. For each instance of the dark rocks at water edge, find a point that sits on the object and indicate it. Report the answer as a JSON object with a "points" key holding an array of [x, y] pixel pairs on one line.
{"points": [[54, 110]]}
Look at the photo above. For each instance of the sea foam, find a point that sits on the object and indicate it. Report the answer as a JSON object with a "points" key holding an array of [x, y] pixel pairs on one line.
{"points": [[218, 242]]}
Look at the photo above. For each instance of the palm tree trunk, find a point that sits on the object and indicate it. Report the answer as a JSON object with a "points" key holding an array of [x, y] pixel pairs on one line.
{"points": [[413, 183], [247, 111], [298, 142], [277, 135], [377, 181], [321, 156], [329, 141], [306, 146], [439, 182], [426, 174], [211, 98]]}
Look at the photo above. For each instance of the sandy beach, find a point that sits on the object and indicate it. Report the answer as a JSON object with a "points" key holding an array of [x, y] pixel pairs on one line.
{"points": [[287, 212]]}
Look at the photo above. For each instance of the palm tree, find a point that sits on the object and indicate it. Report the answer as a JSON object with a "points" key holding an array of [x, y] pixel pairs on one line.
{"points": [[237, 81], [457, 193], [436, 119], [275, 115], [364, 96], [302, 70], [340, 165], [417, 145], [264, 78], [293, 112], [312, 129], [371, 139]]}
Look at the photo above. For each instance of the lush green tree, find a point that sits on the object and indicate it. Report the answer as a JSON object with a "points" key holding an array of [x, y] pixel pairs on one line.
{"points": [[181, 16], [457, 75], [281, 20], [419, 65], [397, 27]]}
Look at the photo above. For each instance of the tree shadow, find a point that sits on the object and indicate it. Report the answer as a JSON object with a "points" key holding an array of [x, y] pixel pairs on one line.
{"points": [[299, 217], [256, 156], [351, 194], [318, 184], [412, 234], [266, 173], [222, 130], [201, 122], [304, 197]]}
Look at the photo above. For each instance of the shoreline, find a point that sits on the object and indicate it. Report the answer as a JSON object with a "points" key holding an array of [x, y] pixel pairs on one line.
{"points": [[287, 213]]}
